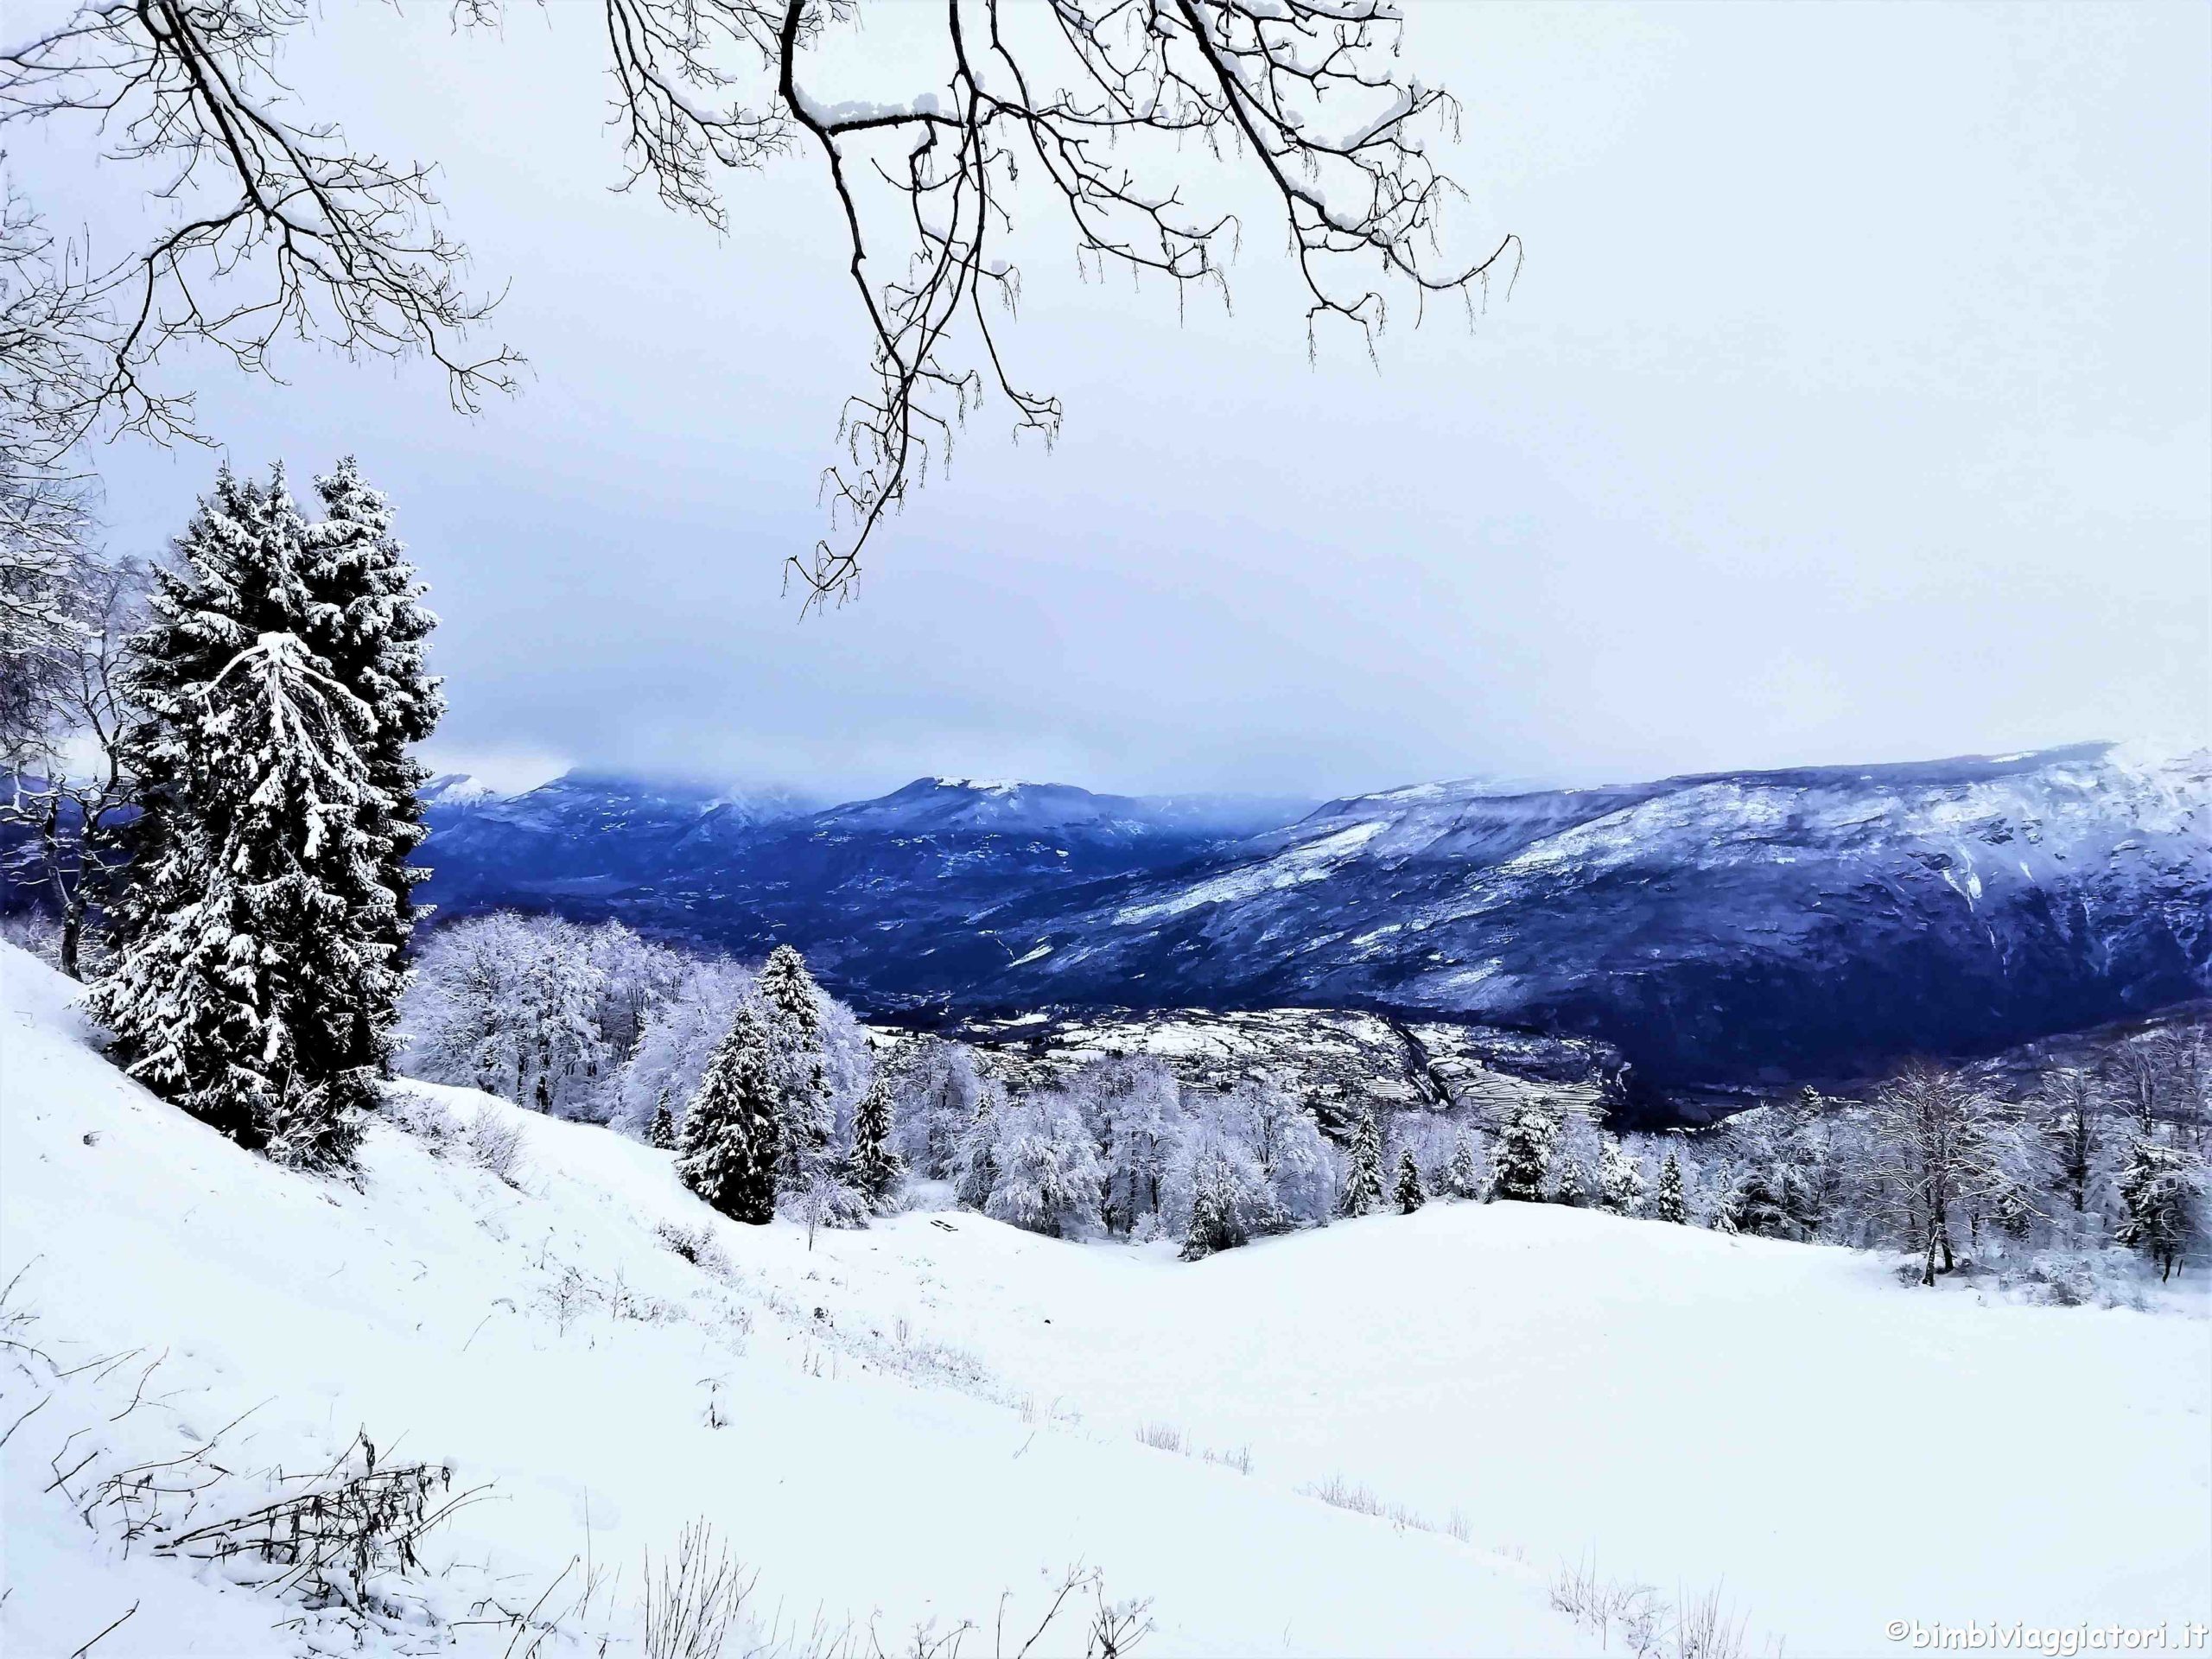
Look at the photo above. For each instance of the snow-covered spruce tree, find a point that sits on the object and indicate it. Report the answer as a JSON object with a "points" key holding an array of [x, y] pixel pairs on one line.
{"points": [[1620, 1179], [660, 1134], [1463, 1172], [1363, 1169], [872, 1167], [793, 1002], [257, 975], [1522, 1164], [1046, 1171], [728, 1149], [2161, 1190], [1668, 1203], [366, 619], [1408, 1196]]}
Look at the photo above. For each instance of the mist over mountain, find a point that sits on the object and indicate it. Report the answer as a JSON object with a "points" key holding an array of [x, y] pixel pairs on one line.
{"points": [[1716, 928]]}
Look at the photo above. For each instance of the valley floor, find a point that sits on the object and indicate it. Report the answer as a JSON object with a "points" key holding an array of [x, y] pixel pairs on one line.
{"points": [[908, 1423]]}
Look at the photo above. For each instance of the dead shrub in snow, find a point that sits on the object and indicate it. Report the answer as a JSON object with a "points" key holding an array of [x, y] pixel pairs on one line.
{"points": [[1645, 1624], [696, 1245], [495, 1146], [692, 1602], [1162, 1437]]}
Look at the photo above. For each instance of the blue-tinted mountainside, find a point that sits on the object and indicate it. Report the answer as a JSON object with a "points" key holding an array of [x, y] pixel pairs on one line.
{"points": [[1714, 928]]}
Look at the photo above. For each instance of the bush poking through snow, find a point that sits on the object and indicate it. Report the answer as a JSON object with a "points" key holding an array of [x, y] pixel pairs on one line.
{"points": [[1645, 1624], [692, 1602], [495, 1146]]}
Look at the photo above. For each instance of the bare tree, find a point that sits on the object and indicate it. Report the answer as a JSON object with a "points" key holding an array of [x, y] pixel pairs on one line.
{"points": [[2068, 1097], [85, 792], [1096, 108], [46, 504], [1938, 1142]]}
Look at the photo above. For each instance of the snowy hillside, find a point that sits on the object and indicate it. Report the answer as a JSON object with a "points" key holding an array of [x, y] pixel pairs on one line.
{"points": [[905, 1423]]}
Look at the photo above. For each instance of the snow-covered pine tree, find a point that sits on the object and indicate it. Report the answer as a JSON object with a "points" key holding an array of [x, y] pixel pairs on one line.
{"points": [[1462, 1174], [794, 1005], [872, 1168], [2161, 1189], [256, 975], [728, 1148], [1363, 1169], [1668, 1203], [1521, 1164], [1409, 1195], [1620, 1179], [660, 1134], [366, 619]]}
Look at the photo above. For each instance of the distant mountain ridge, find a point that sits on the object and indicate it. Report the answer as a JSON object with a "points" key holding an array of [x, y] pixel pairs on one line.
{"points": [[1710, 927]]}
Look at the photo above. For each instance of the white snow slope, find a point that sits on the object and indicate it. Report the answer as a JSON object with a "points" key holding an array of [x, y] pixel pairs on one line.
{"points": [[918, 1418]]}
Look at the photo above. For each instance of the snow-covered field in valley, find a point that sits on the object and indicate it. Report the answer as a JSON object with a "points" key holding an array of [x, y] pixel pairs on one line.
{"points": [[911, 1423]]}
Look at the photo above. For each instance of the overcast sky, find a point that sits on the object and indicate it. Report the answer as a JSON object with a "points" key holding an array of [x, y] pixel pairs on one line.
{"points": [[1854, 403]]}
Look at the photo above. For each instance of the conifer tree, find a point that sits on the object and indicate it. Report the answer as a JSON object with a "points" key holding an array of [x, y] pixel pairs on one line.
{"points": [[727, 1152], [1409, 1195], [1463, 1175], [660, 1134], [1523, 1162], [872, 1167], [1364, 1171], [256, 977], [794, 1008], [1620, 1181], [366, 619], [1668, 1204]]}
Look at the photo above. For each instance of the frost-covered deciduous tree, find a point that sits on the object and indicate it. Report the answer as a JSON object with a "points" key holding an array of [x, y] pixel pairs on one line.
{"points": [[1620, 1179], [1133, 1105], [509, 1004], [681, 1030], [257, 975], [728, 1149], [1937, 1143], [2161, 1194], [936, 1088], [1044, 1166], [1216, 1196], [974, 1165], [1292, 1155], [2065, 1103], [1521, 1165], [1363, 1185]]}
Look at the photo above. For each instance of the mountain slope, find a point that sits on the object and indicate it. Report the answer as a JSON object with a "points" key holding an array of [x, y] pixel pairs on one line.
{"points": [[1710, 926], [1716, 929], [919, 1417]]}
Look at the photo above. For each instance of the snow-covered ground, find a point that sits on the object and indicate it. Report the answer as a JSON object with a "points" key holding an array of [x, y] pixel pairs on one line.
{"points": [[916, 1419]]}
